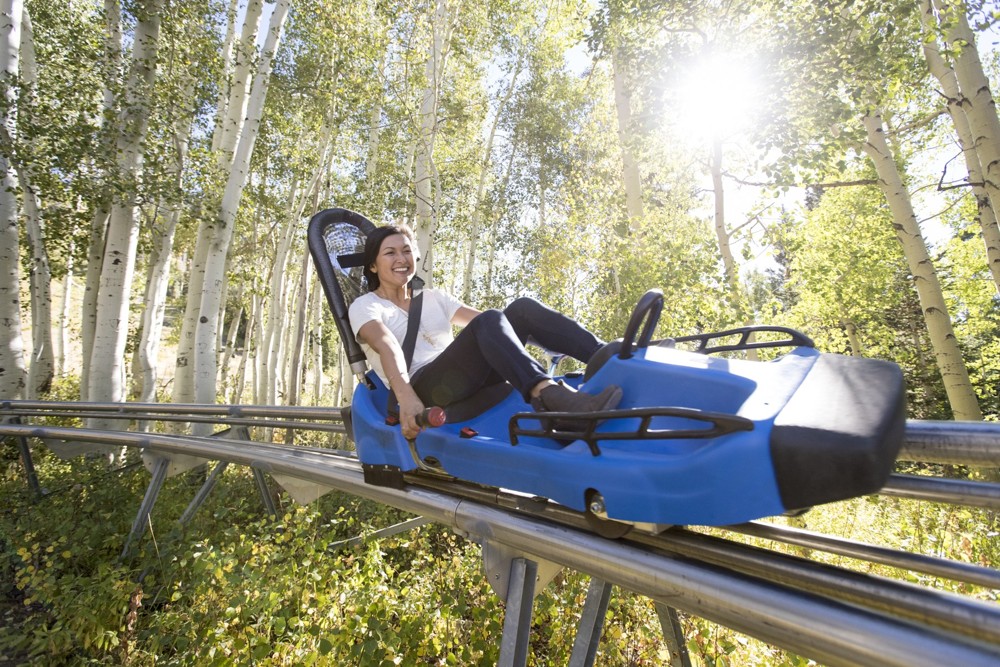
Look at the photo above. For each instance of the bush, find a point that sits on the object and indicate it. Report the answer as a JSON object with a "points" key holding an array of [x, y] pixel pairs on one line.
{"points": [[236, 585]]}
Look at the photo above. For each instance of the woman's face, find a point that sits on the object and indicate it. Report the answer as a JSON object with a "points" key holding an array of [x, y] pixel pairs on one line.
{"points": [[394, 264]]}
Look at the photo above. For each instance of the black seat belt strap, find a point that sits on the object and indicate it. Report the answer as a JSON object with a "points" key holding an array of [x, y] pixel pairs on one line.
{"points": [[409, 344]]}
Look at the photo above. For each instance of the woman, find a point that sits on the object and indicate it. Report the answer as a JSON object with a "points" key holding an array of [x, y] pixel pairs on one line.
{"points": [[489, 349]]}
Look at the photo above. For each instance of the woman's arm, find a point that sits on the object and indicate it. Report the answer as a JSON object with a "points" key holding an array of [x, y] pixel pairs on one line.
{"points": [[377, 336], [464, 315]]}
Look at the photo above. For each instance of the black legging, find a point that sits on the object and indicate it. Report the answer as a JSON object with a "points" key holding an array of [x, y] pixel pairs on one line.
{"points": [[491, 349]]}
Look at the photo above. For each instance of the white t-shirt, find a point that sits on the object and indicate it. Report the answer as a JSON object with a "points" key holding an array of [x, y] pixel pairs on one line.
{"points": [[433, 335]]}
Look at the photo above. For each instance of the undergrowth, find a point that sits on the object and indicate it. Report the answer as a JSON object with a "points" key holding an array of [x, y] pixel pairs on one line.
{"points": [[236, 586]]}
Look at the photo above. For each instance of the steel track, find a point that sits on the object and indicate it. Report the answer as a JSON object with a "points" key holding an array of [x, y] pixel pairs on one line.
{"points": [[830, 613]]}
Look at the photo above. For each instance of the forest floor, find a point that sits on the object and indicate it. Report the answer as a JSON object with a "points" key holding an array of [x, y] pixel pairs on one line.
{"points": [[13, 615]]}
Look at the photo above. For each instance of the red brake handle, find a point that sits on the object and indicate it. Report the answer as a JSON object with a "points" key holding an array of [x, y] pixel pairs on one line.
{"points": [[433, 416]]}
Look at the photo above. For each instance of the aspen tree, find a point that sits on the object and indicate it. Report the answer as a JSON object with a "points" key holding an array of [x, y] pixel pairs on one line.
{"points": [[106, 381], [980, 142], [231, 105], [41, 368], [425, 215], [935, 311], [485, 170], [111, 62], [158, 274], [220, 230], [12, 367]]}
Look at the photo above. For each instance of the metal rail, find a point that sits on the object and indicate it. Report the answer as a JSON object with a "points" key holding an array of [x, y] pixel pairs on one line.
{"points": [[955, 443], [831, 614]]}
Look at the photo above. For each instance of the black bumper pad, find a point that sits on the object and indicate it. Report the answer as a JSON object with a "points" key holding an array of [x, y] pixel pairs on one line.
{"points": [[839, 435]]}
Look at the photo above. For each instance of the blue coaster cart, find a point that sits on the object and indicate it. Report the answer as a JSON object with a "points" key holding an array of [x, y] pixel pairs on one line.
{"points": [[697, 439]]}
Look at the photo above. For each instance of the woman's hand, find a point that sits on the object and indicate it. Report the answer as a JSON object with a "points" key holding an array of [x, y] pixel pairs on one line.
{"points": [[410, 408], [394, 365]]}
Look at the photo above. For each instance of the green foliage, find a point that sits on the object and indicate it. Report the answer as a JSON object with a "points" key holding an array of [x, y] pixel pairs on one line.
{"points": [[57, 135], [974, 302], [849, 289], [237, 585]]}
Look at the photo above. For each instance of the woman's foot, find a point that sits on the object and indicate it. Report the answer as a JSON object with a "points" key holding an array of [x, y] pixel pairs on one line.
{"points": [[561, 398]]}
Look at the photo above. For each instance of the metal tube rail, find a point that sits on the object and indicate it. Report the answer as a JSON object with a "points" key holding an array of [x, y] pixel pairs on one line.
{"points": [[296, 411], [944, 490], [952, 442], [811, 625], [904, 560], [947, 442], [262, 422], [896, 558], [938, 567], [950, 612]]}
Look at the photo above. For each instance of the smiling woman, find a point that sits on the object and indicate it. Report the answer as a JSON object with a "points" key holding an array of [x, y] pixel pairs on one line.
{"points": [[421, 362], [717, 96]]}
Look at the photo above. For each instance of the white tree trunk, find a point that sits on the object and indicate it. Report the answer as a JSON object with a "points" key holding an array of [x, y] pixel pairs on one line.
{"points": [[184, 365], [231, 115], [270, 373], [731, 272], [41, 369], [494, 224], [630, 165], [271, 342], [425, 209], [484, 171], [12, 370], [977, 99], [106, 380], [222, 101], [851, 329], [962, 398], [316, 341], [230, 343], [91, 288], [984, 190], [345, 381], [374, 133], [721, 232], [221, 229], [297, 356], [112, 49], [258, 336], [12, 367], [158, 279], [410, 161], [61, 342], [111, 62], [239, 93]]}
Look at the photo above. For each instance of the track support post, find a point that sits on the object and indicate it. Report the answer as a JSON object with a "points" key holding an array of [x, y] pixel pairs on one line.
{"points": [[26, 460], [160, 467], [265, 492], [517, 618], [588, 634], [673, 635], [234, 433], [202, 495]]}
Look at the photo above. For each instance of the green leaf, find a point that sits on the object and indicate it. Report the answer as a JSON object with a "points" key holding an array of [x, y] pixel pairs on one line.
{"points": [[261, 651]]}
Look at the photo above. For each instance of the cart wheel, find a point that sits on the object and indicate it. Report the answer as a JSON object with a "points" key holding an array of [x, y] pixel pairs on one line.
{"points": [[598, 521]]}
